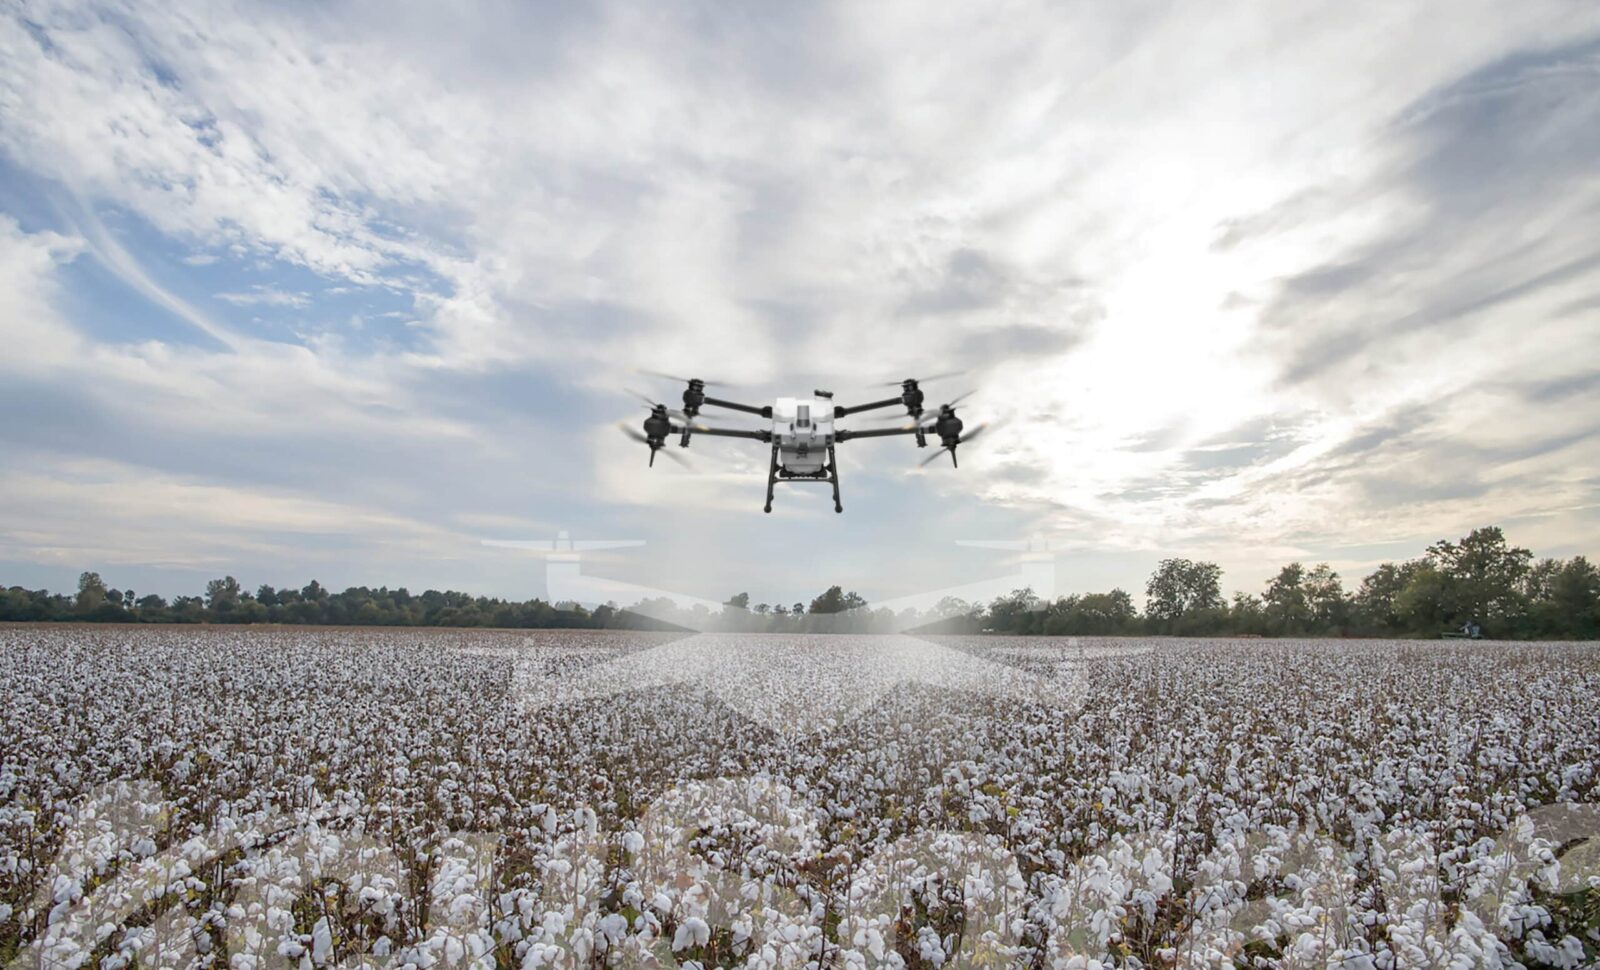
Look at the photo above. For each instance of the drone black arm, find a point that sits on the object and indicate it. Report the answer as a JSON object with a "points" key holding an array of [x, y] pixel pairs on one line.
{"points": [[846, 434], [765, 412], [840, 412], [726, 432]]}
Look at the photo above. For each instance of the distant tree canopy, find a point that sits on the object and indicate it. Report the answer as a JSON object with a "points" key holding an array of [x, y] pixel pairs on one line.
{"points": [[1183, 596], [226, 601], [836, 600], [1481, 579]]}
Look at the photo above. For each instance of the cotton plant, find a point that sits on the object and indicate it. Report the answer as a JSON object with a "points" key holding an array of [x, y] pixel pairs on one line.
{"points": [[301, 800], [904, 895]]}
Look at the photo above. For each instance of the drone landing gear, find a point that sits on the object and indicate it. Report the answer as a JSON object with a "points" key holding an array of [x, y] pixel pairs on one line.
{"points": [[833, 476], [830, 474], [772, 478]]}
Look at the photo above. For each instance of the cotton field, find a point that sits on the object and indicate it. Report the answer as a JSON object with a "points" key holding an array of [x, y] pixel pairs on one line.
{"points": [[310, 799]]}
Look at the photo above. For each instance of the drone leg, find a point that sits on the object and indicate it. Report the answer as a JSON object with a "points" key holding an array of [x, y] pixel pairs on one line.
{"points": [[833, 476], [772, 478]]}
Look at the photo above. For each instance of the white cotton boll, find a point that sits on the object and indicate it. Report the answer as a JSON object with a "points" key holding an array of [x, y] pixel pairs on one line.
{"points": [[66, 889], [875, 944], [538, 957], [693, 931], [613, 926], [683, 938], [1307, 946], [554, 924], [1571, 951], [582, 944], [321, 940]]}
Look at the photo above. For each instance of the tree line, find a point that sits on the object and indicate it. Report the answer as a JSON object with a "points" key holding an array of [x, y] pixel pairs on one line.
{"points": [[226, 601], [1481, 581]]}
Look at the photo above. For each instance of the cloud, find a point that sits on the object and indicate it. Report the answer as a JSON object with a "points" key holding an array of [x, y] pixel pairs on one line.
{"points": [[1207, 276], [101, 512], [1500, 220], [263, 295], [29, 292]]}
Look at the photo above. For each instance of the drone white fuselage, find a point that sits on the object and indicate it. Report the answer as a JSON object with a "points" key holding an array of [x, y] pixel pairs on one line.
{"points": [[802, 428]]}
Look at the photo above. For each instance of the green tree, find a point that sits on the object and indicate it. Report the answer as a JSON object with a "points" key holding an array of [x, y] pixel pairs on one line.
{"points": [[1011, 613], [949, 606], [1420, 606], [1575, 594], [1181, 588], [831, 601], [1374, 601], [188, 609], [1246, 614], [1092, 614], [1111, 612], [91, 591], [222, 594], [1284, 602], [738, 601], [1540, 581], [1326, 600], [1484, 578]]}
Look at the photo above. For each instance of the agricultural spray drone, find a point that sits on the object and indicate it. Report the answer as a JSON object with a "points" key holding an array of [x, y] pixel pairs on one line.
{"points": [[803, 435]]}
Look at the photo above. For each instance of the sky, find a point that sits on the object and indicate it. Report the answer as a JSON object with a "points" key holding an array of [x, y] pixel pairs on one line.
{"points": [[342, 290]]}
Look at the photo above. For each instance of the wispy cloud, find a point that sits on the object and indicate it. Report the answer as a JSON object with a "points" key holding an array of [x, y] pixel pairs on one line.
{"points": [[1229, 295], [263, 295]]}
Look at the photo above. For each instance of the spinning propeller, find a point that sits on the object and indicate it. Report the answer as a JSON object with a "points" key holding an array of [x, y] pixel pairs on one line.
{"points": [[690, 380], [656, 428], [949, 429], [922, 380], [950, 446], [652, 405], [694, 394], [952, 403]]}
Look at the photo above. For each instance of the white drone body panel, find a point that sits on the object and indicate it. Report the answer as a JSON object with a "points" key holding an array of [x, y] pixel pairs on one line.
{"points": [[802, 428]]}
